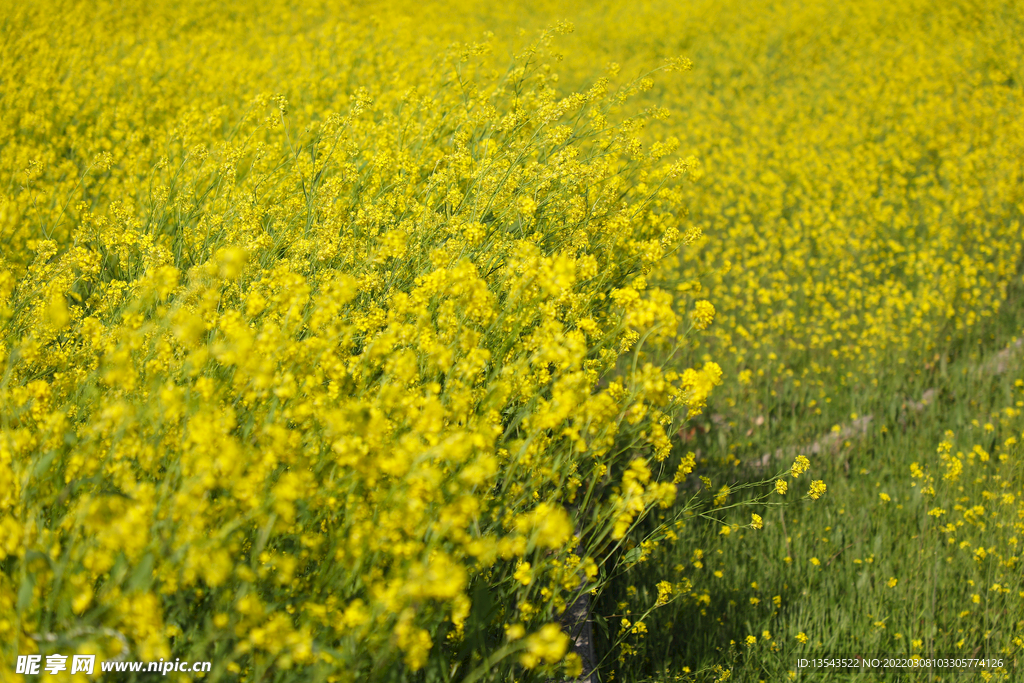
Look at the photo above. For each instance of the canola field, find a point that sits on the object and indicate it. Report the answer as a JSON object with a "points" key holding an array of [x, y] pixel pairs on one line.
{"points": [[527, 341]]}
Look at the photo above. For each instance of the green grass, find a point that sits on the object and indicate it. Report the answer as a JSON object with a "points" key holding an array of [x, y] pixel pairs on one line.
{"points": [[859, 540]]}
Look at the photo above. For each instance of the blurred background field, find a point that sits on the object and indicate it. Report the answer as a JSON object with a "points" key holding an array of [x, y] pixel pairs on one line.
{"points": [[327, 326]]}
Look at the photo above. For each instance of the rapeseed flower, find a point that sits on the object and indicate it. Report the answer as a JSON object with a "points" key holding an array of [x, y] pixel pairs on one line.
{"points": [[801, 465]]}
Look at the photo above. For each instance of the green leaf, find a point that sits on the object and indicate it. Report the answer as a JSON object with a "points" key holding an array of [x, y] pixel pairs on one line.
{"points": [[142, 576], [28, 582]]}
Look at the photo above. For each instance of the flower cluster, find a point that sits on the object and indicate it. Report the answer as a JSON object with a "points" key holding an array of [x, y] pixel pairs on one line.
{"points": [[322, 333]]}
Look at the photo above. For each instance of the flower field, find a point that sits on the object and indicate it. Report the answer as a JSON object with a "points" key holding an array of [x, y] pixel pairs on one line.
{"points": [[352, 342]]}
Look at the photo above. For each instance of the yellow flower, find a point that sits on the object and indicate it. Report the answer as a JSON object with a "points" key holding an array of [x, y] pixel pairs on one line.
{"points": [[573, 666], [756, 521], [817, 489], [82, 600], [551, 525], [514, 632], [664, 592], [522, 573], [415, 642], [801, 465], [549, 645], [703, 314], [781, 486]]}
